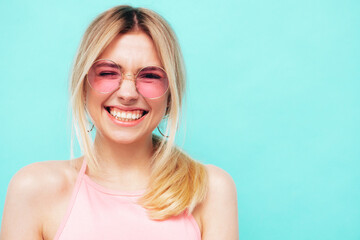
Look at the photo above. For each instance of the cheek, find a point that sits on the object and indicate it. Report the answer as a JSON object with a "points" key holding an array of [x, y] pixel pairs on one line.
{"points": [[159, 108], [162, 104], [94, 103]]}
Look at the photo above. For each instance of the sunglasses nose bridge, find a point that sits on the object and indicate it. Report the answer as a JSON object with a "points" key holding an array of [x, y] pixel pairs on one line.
{"points": [[129, 77], [126, 90]]}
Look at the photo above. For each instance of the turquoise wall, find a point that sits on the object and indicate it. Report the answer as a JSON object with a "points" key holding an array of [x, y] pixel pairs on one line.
{"points": [[273, 98]]}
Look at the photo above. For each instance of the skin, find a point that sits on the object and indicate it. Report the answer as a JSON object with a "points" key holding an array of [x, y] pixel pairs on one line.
{"points": [[38, 195]]}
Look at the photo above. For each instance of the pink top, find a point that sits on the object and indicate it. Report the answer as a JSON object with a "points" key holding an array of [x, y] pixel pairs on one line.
{"points": [[97, 213]]}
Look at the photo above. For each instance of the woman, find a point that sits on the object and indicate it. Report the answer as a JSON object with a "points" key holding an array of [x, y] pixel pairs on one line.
{"points": [[128, 76]]}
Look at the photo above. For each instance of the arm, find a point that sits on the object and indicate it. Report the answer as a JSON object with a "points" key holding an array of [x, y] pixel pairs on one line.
{"points": [[21, 217], [219, 210]]}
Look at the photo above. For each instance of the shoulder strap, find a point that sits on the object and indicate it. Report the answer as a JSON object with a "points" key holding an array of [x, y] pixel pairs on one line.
{"points": [[72, 200], [82, 169]]}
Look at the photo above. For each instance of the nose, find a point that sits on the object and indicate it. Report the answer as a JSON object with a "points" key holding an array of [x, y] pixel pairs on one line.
{"points": [[127, 90]]}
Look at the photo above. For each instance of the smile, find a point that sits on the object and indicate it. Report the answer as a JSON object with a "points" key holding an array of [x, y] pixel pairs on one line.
{"points": [[126, 116]]}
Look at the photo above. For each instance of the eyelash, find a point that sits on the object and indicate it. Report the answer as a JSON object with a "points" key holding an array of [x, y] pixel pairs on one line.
{"points": [[150, 75], [107, 73], [144, 75]]}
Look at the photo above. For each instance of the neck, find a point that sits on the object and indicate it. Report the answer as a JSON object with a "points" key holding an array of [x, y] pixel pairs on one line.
{"points": [[122, 161]]}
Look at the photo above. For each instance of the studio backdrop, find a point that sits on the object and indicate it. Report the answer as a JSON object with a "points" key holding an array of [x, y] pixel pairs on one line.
{"points": [[273, 98]]}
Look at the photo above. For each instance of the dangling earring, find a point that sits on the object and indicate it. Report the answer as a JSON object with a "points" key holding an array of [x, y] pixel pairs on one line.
{"points": [[91, 128], [85, 107], [161, 132], [166, 116]]}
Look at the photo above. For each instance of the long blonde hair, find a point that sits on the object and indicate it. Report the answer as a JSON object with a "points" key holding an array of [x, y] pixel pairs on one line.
{"points": [[177, 182]]}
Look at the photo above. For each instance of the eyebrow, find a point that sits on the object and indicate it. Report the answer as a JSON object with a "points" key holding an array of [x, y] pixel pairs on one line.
{"points": [[106, 65], [151, 68], [112, 65], [140, 68], [115, 65]]}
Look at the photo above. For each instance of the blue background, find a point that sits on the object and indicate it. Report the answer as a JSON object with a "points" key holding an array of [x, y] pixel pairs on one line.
{"points": [[273, 98]]}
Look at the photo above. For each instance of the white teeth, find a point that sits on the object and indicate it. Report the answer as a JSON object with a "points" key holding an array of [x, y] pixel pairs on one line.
{"points": [[126, 116]]}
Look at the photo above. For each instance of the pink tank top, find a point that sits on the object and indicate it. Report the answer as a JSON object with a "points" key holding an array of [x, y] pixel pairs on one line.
{"points": [[96, 213]]}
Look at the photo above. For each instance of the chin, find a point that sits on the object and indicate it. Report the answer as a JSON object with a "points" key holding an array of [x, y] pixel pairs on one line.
{"points": [[124, 138]]}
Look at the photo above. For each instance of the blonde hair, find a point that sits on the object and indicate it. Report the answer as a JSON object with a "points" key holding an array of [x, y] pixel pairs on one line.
{"points": [[177, 182]]}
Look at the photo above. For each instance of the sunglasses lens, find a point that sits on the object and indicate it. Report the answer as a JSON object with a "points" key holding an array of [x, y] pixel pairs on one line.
{"points": [[152, 82], [104, 76]]}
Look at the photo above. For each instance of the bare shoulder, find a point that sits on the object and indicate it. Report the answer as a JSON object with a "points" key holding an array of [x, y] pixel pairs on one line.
{"points": [[31, 192], [41, 178], [220, 179], [219, 209], [222, 188]]}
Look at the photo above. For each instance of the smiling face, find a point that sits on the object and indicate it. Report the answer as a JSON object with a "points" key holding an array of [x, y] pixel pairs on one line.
{"points": [[124, 115]]}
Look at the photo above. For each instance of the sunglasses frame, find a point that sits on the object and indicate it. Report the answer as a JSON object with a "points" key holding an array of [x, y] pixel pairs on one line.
{"points": [[123, 77]]}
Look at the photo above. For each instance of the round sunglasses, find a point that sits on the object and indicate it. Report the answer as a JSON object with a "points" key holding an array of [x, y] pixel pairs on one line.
{"points": [[105, 76]]}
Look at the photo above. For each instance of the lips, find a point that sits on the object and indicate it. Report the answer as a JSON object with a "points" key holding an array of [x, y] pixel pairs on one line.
{"points": [[127, 115]]}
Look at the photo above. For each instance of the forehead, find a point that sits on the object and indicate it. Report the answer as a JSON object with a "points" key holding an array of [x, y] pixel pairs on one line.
{"points": [[132, 50]]}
